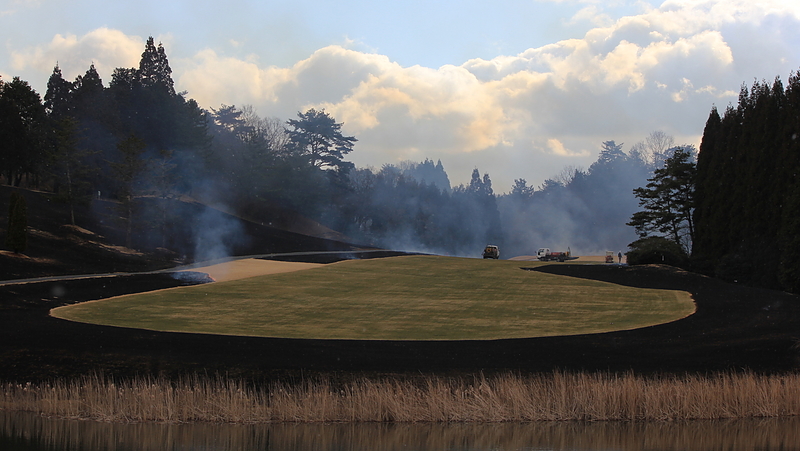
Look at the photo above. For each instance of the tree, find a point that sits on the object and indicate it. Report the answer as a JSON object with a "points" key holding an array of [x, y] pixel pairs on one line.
{"points": [[57, 97], [148, 106], [87, 97], [154, 70], [70, 170], [668, 200], [656, 250], [521, 191], [163, 180], [22, 117], [748, 188], [610, 154], [654, 150], [17, 233], [426, 172], [317, 137], [127, 172], [568, 174]]}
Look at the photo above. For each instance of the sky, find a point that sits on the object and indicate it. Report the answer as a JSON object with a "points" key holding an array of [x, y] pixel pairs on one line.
{"points": [[514, 88]]}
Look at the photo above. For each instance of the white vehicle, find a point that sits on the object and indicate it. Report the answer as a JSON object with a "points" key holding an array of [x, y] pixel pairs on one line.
{"points": [[544, 254], [491, 251]]}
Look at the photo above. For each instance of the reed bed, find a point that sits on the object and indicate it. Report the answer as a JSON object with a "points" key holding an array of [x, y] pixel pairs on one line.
{"points": [[558, 396]]}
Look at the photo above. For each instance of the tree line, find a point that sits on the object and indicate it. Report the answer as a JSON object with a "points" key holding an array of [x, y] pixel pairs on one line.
{"points": [[142, 145], [748, 188], [732, 212]]}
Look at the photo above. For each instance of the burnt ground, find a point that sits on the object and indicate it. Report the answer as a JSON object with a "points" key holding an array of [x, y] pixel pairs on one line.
{"points": [[734, 328], [95, 245]]}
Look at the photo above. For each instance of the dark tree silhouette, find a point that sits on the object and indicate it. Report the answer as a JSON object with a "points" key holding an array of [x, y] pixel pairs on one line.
{"points": [[318, 138], [668, 201], [748, 188]]}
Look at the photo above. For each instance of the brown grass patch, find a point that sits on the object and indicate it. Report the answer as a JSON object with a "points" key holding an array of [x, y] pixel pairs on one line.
{"points": [[502, 398]]}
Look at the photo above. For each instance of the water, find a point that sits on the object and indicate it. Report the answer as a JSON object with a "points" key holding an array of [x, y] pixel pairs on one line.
{"points": [[29, 432]]}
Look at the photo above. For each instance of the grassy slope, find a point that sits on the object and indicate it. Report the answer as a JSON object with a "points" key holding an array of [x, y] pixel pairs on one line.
{"points": [[405, 298]]}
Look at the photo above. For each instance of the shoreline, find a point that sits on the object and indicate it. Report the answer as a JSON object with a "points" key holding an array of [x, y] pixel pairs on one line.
{"points": [[501, 398]]}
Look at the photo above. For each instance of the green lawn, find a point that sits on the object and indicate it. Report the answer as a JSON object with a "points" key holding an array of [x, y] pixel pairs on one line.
{"points": [[400, 298]]}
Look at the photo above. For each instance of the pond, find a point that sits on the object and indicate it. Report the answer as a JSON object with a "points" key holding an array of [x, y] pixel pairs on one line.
{"points": [[30, 432]]}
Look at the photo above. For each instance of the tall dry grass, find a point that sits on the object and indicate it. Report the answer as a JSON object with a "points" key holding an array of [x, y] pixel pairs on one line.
{"points": [[502, 398]]}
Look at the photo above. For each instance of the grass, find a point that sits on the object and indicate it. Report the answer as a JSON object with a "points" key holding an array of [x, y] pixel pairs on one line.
{"points": [[401, 298], [481, 399]]}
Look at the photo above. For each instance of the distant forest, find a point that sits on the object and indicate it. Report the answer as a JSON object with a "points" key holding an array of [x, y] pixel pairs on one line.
{"points": [[141, 143]]}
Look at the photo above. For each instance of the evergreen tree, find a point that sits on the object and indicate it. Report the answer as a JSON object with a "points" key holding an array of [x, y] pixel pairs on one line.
{"points": [[22, 128], [17, 232], [481, 215], [668, 200], [708, 168], [87, 97], [521, 191], [318, 138], [610, 153], [747, 189], [154, 70], [57, 99], [427, 172]]}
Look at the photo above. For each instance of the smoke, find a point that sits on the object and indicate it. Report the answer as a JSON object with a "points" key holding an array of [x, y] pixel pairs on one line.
{"points": [[586, 212], [216, 234]]}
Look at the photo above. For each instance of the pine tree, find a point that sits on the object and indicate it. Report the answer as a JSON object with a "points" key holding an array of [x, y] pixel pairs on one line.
{"points": [[154, 70], [22, 121], [747, 188], [57, 97], [706, 217], [318, 138], [668, 201]]}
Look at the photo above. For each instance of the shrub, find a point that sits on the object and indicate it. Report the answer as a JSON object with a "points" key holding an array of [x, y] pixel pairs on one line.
{"points": [[754, 262], [656, 250]]}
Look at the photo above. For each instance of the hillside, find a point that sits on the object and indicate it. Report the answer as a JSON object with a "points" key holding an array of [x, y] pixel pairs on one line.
{"points": [[199, 232]]}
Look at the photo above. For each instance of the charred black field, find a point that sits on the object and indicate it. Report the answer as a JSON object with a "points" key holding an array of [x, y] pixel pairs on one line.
{"points": [[734, 328]]}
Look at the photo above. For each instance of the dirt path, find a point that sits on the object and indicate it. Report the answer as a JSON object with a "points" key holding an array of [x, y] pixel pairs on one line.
{"points": [[251, 267]]}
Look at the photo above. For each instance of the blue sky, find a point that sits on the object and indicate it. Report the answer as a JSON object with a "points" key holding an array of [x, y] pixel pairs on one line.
{"points": [[518, 89]]}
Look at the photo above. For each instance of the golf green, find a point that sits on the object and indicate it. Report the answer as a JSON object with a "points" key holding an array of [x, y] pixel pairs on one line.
{"points": [[398, 298]]}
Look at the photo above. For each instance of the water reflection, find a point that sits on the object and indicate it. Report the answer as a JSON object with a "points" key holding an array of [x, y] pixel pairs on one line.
{"points": [[28, 432]]}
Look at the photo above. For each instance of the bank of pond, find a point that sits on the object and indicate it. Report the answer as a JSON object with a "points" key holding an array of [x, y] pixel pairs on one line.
{"points": [[479, 398]]}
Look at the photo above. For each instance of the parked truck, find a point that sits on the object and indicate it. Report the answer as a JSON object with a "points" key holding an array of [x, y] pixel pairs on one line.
{"points": [[546, 255], [491, 251]]}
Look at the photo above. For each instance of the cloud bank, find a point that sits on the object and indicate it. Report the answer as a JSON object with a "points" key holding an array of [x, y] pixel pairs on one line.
{"points": [[513, 116]]}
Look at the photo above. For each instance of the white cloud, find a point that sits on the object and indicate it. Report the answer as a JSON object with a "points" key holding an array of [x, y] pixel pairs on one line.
{"points": [[513, 116], [593, 15], [660, 70], [556, 147], [106, 48]]}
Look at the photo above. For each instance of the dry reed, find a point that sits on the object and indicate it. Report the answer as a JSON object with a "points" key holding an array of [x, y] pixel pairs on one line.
{"points": [[480, 399]]}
